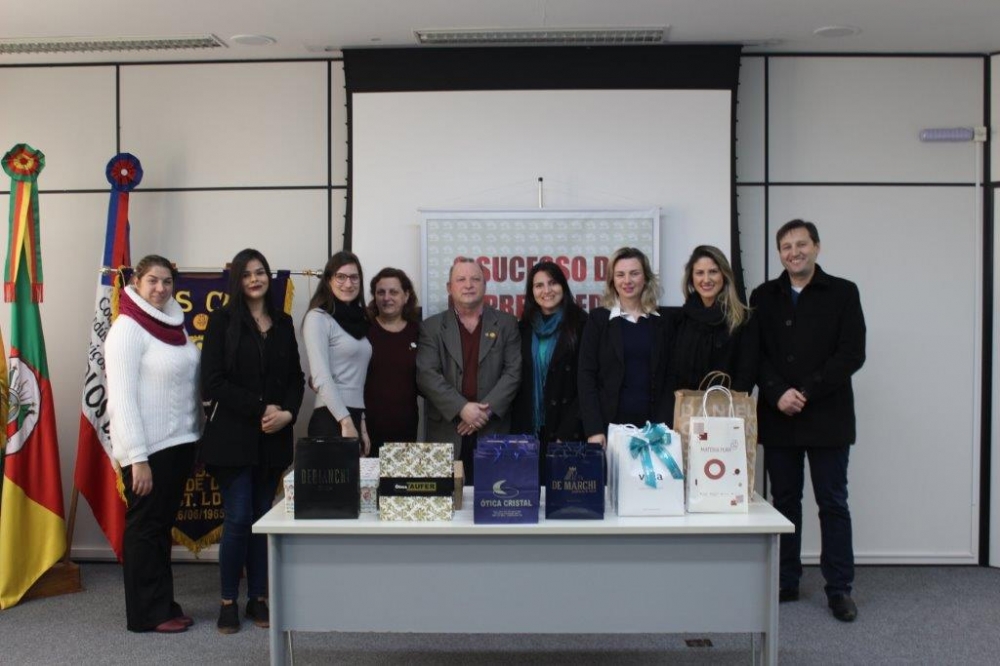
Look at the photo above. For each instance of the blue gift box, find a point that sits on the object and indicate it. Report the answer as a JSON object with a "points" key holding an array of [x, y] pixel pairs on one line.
{"points": [[506, 480]]}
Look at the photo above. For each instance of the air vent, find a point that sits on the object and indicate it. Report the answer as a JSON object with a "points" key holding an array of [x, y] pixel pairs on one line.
{"points": [[92, 44], [593, 36]]}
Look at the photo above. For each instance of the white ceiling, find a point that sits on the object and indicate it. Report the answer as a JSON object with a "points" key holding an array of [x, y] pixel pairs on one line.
{"points": [[897, 26]]}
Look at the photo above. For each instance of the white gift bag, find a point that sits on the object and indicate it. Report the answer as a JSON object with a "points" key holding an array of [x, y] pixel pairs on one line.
{"points": [[717, 462], [649, 472], [619, 435]]}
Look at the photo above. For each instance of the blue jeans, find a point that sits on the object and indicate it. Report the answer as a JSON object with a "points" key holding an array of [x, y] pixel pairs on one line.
{"points": [[828, 471], [247, 494]]}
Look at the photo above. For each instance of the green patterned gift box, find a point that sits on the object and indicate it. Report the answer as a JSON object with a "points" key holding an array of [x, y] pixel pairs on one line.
{"points": [[416, 481]]}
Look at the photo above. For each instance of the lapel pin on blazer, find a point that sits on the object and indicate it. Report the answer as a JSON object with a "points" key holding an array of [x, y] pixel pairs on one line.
{"points": [[491, 334]]}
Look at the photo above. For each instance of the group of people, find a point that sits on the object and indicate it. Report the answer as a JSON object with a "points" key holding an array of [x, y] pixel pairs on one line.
{"points": [[559, 373]]}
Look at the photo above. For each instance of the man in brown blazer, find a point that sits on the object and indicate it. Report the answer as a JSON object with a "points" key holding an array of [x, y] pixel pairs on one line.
{"points": [[468, 365]]}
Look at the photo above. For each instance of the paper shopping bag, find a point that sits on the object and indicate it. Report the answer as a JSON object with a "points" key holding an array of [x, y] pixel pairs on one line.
{"points": [[327, 471], [574, 481], [688, 403], [506, 480], [718, 480], [649, 469]]}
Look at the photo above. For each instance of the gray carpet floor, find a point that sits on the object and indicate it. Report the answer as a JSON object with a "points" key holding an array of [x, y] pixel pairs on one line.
{"points": [[907, 615]]}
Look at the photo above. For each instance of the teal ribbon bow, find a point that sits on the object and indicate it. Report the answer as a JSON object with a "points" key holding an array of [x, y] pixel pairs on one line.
{"points": [[653, 440]]}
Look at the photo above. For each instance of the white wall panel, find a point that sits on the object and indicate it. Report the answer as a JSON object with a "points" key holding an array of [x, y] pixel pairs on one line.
{"points": [[750, 208], [914, 254], [750, 121], [604, 149], [227, 124], [48, 108], [859, 119], [208, 228]]}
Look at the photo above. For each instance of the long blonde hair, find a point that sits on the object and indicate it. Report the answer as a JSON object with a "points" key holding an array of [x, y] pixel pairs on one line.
{"points": [[735, 312], [649, 298]]}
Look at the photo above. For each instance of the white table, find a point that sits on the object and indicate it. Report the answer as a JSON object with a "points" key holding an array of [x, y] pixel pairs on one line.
{"points": [[697, 573]]}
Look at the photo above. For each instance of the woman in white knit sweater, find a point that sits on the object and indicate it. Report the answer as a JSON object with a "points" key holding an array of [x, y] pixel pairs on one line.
{"points": [[335, 334], [155, 411]]}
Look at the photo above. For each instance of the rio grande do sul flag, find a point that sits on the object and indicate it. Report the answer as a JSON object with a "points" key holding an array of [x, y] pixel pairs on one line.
{"points": [[32, 528], [96, 472]]}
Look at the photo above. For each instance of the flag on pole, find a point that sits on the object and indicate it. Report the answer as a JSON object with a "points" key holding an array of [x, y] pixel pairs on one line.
{"points": [[96, 474], [32, 527]]}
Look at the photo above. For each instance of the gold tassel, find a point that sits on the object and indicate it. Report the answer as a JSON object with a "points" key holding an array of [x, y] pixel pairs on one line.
{"points": [[289, 296], [116, 291], [201, 544]]}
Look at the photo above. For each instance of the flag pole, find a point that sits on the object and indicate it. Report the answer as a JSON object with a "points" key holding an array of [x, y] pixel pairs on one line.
{"points": [[71, 522]]}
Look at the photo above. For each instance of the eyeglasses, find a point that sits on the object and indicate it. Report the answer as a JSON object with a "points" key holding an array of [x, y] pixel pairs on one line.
{"points": [[341, 278]]}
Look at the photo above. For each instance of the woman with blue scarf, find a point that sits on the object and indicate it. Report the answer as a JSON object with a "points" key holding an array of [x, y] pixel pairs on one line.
{"points": [[551, 326]]}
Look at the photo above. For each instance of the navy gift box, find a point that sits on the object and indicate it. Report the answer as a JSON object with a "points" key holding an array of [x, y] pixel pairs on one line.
{"points": [[506, 480]]}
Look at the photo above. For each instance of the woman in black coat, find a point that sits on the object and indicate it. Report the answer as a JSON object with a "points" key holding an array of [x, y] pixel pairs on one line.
{"points": [[623, 354], [713, 330], [551, 327], [251, 374]]}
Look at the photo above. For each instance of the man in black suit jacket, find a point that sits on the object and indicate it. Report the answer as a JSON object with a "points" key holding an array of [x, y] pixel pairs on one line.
{"points": [[812, 339]]}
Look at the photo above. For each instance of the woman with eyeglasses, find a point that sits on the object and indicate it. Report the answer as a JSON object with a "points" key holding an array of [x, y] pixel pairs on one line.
{"points": [[335, 331], [252, 376]]}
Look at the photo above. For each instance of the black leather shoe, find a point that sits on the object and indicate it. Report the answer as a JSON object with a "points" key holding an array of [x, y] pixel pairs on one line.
{"points": [[258, 612], [788, 594], [843, 607], [229, 618]]}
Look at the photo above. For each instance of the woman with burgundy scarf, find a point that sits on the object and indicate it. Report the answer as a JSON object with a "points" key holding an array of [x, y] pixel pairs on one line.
{"points": [[155, 413], [250, 371], [335, 331]]}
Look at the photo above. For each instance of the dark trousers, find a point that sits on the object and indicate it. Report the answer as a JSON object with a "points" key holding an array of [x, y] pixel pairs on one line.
{"points": [[468, 457], [149, 581], [322, 423], [247, 494], [828, 471]]}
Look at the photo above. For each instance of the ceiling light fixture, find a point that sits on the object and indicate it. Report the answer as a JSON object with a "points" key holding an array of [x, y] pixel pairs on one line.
{"points": [[837, 31], [542, 36], [91, 44], [252, 40]]}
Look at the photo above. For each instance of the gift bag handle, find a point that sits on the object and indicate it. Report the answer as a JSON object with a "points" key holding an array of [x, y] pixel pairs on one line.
{"points": [[715, 377], [722, 389]]}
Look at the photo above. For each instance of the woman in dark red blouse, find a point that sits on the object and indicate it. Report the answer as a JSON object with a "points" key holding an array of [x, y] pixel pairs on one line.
{"points": [[391, 385]]}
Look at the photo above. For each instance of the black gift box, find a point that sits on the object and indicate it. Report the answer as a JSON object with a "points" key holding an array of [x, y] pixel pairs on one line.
{"points": [[327, 477]]}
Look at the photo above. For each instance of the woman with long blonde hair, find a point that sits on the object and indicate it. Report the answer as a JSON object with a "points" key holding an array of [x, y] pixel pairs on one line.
{"points": [[713, 330], [623, 354]]}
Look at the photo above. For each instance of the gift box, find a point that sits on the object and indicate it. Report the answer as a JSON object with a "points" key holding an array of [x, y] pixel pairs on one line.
{"points": [[506, 480], [416, 481], [289, 484], [574, 481], [649, 472], [369, 485], [327, 477]]}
